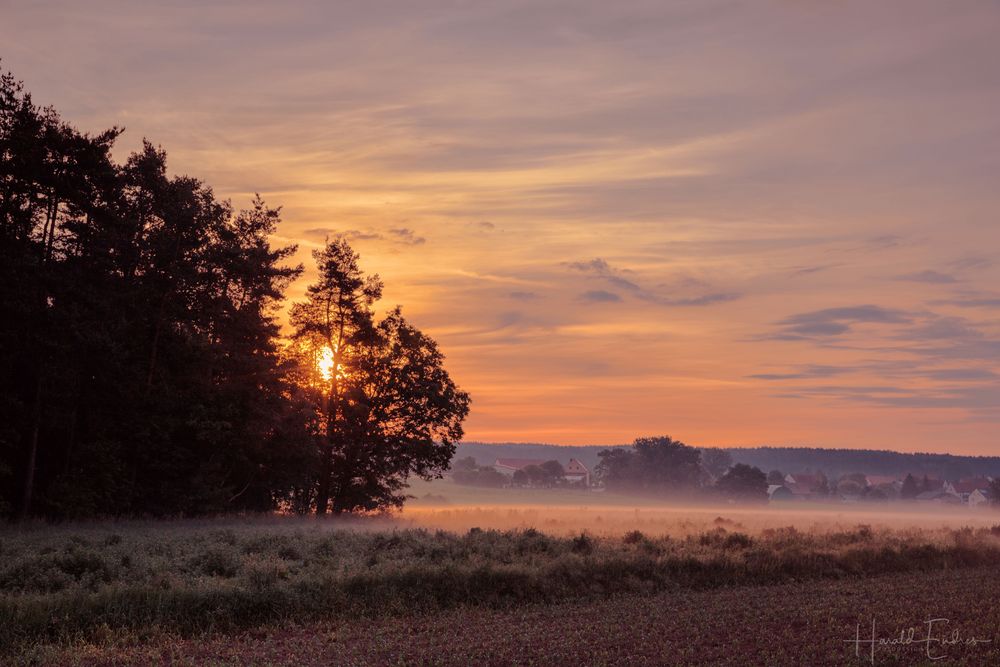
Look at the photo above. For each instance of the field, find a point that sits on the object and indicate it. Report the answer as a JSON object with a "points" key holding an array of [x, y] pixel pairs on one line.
{"points": [[808, 623], [397, 589]]}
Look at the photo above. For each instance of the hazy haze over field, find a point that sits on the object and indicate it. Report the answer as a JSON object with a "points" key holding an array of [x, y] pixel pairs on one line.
{"points": [[733, 223]]}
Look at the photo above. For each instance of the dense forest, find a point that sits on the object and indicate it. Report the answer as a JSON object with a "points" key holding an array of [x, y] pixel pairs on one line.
{"points": [[142, 370]]}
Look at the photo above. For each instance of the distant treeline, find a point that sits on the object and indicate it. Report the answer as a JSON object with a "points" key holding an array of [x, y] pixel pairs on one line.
{"points": [[832, 462], [837, 462]]}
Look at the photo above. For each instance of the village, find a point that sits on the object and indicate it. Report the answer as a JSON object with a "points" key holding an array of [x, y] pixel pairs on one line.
{"points": [[813, 487]]}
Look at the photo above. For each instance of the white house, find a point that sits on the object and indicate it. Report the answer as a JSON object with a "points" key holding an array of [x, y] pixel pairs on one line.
{"points": [[979, 497], [577, 472]]}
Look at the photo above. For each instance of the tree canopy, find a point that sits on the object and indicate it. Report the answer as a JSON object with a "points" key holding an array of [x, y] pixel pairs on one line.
{"points": [[743, 482], [657, 464]]}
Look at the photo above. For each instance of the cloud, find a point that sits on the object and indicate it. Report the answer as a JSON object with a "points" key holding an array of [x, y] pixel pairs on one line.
{"points": [[804, 372], [973, 302], [806, 270], [962, 374], [407, 236], [972, 263], [942, 328], [703, 300], [837, 321], [523, 296], [927, 276], [350, 234], [600, 296], [601, 269], [596, 265], [398, 235]]}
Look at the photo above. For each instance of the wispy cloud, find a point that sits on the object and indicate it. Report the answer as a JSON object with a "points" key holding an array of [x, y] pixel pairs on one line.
{"points": [[600, 296], [837, 321], [927, 276]]}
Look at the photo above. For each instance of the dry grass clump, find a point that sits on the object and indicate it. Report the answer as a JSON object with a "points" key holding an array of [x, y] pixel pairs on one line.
{"points": [[62, 584]]}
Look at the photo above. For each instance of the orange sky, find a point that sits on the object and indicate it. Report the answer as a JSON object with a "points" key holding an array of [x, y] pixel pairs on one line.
{"points": [[733, 224]]}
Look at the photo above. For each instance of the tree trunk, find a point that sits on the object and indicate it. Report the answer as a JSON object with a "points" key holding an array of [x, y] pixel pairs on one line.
{"points": [[29, 472], [326, 467]]}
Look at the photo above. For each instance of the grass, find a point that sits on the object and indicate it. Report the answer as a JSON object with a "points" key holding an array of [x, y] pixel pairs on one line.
{"points": [[78, 584]]}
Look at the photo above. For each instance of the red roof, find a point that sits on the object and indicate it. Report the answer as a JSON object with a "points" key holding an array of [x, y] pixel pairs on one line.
{"points": [[970, 484], [807, 479], [518, 464]]}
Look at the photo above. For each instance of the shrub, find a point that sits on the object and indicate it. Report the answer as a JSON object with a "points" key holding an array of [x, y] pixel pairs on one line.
{"points": [[633, 537], [582, 544]]}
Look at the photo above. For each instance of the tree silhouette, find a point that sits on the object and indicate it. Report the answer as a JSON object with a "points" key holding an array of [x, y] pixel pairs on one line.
{"points": [[386, 407], [743, 482], [657, 464], [716, 462]]}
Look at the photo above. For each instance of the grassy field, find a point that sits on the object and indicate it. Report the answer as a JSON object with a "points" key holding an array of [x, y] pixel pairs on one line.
{"points": [[806, 623], [99, 583]]}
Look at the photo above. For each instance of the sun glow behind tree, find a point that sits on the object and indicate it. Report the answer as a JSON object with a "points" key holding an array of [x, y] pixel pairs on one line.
{"points": [[325, 361], [387, 408]]}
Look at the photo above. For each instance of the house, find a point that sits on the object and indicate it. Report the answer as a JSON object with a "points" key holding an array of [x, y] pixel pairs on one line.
{"points": [[940, 496], [510, 466], [779, 492], [799, 491], [806, 479], [577, 472], [980, 497], [805, 486], [935, 484], [876, 481], [574, 471], [965, 487]]}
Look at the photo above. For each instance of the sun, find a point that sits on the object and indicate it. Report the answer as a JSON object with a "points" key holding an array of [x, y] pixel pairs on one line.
{"points": [[324, 363]]}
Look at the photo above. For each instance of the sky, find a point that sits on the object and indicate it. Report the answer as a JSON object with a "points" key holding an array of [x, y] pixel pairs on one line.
{"points": [[736, 223]]}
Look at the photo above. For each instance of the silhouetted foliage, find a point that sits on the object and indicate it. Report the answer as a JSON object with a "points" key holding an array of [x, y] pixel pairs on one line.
{"points": [[658, 464], [994, 491], [466, 471], [140, 367], [387, 409], [743, 482], [716, 462], [910, 488]]}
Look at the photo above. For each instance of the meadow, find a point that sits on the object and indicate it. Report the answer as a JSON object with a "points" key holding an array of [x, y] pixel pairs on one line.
{"points": [[96, 586]]}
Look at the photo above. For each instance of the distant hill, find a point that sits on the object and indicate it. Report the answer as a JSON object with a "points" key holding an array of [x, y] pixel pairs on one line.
{"points": [[832, 462]]}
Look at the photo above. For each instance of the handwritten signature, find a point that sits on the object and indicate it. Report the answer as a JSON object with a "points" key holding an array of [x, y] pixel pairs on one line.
{"points": [[935, 640]]}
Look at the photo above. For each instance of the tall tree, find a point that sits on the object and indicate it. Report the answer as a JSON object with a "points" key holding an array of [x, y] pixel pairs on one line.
{"points": [[388, 408], [716, 462], [743, 482], [658, 464]]}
